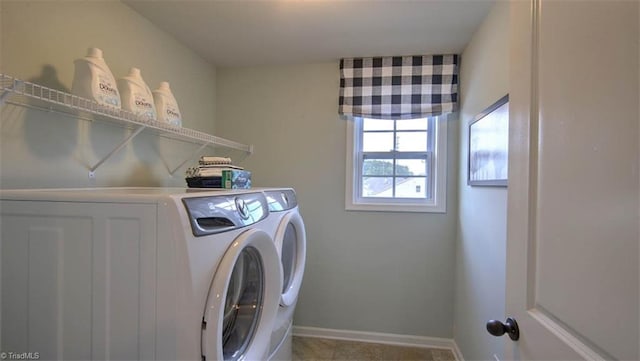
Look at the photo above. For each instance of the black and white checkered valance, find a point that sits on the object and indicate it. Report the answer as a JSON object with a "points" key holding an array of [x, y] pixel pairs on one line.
{"points": [[399, 87]]}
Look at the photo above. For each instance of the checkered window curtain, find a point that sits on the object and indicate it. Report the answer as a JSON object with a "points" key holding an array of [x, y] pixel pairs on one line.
{"points": [[399, 87]]}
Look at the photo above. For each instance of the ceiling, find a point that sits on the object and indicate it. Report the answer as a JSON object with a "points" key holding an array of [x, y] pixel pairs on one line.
{"points": [[231, 33]]}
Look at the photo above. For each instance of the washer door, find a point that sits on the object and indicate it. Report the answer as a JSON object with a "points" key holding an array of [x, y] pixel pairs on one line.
{"points": [[291, 242], [243, 300]]}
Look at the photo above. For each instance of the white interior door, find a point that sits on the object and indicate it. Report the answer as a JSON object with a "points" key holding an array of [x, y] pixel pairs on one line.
{"points": [[573, 208]]}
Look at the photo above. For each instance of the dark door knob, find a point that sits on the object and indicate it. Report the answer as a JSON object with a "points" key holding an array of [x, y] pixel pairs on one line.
{"points": [[510, 327]]}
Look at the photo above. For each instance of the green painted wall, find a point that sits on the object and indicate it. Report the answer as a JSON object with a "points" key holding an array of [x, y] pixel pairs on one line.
{"points": [[482, 226], [39, 42], [366, 271]]}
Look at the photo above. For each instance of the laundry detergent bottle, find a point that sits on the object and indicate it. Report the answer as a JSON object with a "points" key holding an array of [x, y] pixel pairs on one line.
{"points": [[136, 95], [93, 80], [166, 105]]}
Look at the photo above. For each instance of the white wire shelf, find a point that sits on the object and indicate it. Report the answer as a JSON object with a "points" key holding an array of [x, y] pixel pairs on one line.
{"points": [[23, 93]]}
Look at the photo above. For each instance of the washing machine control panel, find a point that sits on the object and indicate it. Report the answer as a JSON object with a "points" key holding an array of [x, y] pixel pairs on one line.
{"points": [[281, 200], [216, 214]]}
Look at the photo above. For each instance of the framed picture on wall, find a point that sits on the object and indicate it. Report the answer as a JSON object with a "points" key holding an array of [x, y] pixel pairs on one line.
{"points": [[489, 145]]}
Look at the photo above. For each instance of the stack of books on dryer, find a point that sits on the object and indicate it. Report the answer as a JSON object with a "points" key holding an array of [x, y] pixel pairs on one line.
{"points": [[218, 172]]}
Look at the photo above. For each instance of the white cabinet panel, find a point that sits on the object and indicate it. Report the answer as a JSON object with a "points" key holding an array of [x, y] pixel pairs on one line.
{"points": [[61, 254]]}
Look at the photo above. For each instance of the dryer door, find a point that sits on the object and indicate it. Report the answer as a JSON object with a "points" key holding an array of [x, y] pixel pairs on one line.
{"points": [[243, 300], [291, 242]]}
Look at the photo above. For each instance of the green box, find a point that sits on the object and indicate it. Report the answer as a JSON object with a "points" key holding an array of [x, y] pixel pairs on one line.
{"points": [[236, 179]]}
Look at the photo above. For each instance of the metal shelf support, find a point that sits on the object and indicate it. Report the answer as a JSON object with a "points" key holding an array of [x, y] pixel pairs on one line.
{"points": [[193, 155], [122, 144], [8, 91]]}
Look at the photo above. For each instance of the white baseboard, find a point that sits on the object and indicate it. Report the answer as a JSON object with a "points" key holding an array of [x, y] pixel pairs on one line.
{"points": [[456, 352], [377, 337]]}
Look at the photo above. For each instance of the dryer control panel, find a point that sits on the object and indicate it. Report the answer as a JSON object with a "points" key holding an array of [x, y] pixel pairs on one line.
{"points": [[210, 215], [281, 199]]}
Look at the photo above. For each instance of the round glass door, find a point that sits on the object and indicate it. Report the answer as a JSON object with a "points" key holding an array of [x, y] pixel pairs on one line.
{"points": [[243, 300], [288, 256], [242, 304], [291, 242]]}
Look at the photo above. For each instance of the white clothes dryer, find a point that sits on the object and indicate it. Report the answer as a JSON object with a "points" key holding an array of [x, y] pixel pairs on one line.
{"points": [[286, 226], [137, 273]]}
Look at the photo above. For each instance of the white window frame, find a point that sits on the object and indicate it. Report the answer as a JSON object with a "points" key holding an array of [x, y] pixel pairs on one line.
{"points": [[438, 159]]}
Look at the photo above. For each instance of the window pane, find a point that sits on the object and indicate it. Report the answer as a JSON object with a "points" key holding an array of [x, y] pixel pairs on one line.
{"points": [[411, 187], [377, 142], [377, 124], [411, 167], [411, 141], [377, 187], [377, 167], [412, 124]]}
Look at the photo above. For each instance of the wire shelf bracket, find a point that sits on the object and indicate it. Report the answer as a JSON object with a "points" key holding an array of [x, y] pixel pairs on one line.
{"points": [[193, 155], [125, 141], [5, 94]]}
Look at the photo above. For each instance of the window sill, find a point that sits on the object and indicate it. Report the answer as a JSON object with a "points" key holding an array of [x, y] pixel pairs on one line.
{"points": [[390, 207]]}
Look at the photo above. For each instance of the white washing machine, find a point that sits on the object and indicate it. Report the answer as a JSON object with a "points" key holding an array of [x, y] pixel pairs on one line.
{"points": [[137, 274], [286, 226]]}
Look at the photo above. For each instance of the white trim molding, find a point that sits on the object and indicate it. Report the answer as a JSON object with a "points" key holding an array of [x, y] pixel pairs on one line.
{"points": [[382, 338], [438, 203], [565, 336], [457, 352]]}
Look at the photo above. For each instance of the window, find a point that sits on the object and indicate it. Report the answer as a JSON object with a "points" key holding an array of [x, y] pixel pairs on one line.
{"points": [[396, 165]]}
